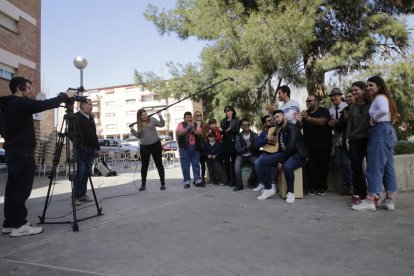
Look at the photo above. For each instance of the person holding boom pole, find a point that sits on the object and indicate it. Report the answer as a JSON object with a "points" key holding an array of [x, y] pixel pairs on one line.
{"points": [[150, 144]]}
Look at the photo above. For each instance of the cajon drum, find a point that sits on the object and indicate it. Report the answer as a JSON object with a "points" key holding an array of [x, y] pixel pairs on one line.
{"points": [[298, 186]]}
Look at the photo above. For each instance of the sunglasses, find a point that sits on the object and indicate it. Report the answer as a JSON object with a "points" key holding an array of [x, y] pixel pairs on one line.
{"points": [[198, 115], [268, 121], [245, 124], [309, 101], [227, 110]]}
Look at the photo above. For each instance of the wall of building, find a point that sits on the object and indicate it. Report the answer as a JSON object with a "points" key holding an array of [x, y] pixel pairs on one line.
{"points": [[20, 46]]}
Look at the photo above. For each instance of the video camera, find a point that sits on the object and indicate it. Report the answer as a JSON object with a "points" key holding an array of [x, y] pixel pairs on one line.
{"points": [[69, 103]]}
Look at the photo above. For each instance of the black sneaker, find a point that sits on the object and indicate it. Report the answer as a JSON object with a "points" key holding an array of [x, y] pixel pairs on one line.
{"points": [[321, 192], [200, 185], [186, 186], [162, 188], [238, 188], [143, 188]]}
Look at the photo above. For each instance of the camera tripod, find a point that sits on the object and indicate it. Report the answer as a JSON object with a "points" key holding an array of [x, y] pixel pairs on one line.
{"points": [[69, 132]]}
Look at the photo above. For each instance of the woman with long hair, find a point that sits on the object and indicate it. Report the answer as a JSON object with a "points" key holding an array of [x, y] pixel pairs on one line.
{"points": [[198, 118], [380, 152], [357, 139], [230, 127], [150, 144]]}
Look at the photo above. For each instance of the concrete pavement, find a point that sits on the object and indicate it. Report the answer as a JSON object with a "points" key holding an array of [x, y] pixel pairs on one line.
{"points": [[208, 231]]}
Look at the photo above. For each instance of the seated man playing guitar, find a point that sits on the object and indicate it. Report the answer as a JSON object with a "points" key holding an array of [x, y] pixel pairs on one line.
{"points": [[291, 154], [267, 143]]}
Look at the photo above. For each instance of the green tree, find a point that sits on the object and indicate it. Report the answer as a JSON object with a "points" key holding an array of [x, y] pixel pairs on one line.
{"points": [[296, 41]]}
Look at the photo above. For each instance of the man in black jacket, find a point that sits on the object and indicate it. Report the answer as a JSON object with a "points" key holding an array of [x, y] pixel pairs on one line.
{"points": [[290, 156], [20, 142], [87, 148], [246, 153]]}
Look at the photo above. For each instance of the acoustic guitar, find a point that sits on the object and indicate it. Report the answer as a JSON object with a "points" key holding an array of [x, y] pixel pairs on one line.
{"points": [[271, 147]]}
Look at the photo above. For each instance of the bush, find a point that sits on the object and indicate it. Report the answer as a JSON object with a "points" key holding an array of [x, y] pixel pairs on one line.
{"points": [[404, 147]]}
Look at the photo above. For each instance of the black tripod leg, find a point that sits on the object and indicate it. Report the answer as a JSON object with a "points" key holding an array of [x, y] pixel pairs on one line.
{"points": [[52, 176], [98, 209]]}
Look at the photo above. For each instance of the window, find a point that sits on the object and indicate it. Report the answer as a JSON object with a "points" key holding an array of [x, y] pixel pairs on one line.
{"points": [[131, 113], [109, 91], [6, 72], [109, 115], [111, 103], [147, 98], [8, 23], [111, 126], [131, 101]]}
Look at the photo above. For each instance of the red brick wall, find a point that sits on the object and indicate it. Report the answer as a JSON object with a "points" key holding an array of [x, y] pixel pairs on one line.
{"points": [[24, 43]]}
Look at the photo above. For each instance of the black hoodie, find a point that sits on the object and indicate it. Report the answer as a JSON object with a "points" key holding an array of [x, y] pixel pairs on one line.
{"points": [[17, 121]]}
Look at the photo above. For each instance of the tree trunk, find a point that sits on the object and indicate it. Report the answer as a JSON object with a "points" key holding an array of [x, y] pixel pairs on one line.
{"points": [[315, 81]]}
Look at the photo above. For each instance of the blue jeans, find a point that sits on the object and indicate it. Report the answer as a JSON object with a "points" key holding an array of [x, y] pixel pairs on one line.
{"points": [[190, 156], [240, 161], [84, 169], [380, 158], [258, 168], [21, 170], [342, 159], [289, 167]]}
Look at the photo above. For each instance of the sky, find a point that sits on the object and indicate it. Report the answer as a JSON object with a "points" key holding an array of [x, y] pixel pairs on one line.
{"points": [[114, 37]]}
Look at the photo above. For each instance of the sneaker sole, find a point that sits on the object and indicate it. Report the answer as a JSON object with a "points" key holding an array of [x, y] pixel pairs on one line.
{"points": [[24, 235]]}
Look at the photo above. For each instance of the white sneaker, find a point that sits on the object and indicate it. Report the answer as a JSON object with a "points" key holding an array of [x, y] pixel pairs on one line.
{"points": [[266, 194], [8, 230], [387, 204], [259, 188], [290, 198], [365, 205], [26, 230]]}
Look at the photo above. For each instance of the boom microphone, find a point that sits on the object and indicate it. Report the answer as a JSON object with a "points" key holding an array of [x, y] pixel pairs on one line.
{"points": [[191, 95]]}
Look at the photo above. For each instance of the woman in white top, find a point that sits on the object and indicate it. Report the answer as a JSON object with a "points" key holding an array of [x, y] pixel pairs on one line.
{"points": [[380, 153]]}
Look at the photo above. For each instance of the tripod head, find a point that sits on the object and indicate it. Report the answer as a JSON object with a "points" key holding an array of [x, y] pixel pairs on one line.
{"points": [[69, 103]]}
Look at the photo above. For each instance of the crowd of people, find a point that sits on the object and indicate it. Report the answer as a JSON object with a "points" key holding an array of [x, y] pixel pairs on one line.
{"points": [[357, 126]]}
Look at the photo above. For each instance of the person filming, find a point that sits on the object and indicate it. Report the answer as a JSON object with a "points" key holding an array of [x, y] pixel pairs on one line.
{"points": [[20, 141]]}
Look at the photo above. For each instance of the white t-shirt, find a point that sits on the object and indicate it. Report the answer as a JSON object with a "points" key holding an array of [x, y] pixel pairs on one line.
{"points": [[380, 109], [289, 108], [337, 136]]}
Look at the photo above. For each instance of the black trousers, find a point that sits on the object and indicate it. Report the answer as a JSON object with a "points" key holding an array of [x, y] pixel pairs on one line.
{"points": [[229, 161], [357, 153], [318, 169], [203, 165], [156, 151], [214, 172], [21, 170]]}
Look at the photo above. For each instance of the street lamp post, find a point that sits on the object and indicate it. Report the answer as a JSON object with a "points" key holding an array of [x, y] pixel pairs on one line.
{"points": [[80, 63]]}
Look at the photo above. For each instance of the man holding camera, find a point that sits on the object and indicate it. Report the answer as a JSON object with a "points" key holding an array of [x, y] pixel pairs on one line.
{"points": [[87, 148], [18, 131]]}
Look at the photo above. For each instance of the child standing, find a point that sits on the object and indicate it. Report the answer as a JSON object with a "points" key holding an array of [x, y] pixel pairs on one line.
{"points": [[212, 151]]}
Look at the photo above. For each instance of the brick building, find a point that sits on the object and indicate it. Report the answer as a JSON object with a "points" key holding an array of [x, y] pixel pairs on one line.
{"points": [[20, 42]]}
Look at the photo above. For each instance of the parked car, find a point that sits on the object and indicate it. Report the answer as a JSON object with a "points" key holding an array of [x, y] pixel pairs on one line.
{"points": [[2, 154], [170, 146], [108, 145]]}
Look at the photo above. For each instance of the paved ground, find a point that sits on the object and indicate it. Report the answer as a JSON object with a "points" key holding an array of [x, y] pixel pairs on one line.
{"points": [[208, 231]]}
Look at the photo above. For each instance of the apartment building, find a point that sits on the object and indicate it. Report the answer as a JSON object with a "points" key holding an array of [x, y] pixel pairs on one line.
{"points": [[20, 42], [116, 107]]}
